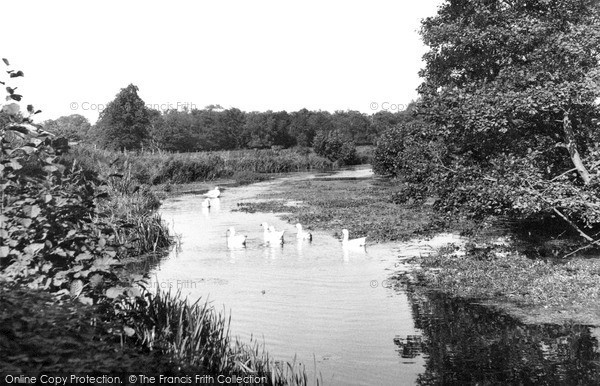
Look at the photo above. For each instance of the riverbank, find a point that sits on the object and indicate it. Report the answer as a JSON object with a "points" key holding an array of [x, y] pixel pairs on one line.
{"points": [[533, 290], [71, 296]]}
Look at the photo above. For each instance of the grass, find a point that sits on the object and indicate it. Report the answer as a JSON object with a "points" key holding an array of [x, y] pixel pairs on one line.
{"points": [[41, 335], [160, 167], [197, 337]]}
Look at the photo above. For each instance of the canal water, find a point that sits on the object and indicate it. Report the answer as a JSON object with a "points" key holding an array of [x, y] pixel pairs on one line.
{"points": [[337, 310]]}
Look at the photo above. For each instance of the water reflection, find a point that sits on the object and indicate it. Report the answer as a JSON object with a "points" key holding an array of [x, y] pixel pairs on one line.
{"points": [[215, 205], [471, 344], [333, 306]]}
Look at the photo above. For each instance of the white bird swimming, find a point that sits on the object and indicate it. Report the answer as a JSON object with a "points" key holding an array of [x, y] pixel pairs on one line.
{"points": [[275, 237], [266, 233], [206, 203], [302, 234], [234, 240], [360, 242], [213, 193]]}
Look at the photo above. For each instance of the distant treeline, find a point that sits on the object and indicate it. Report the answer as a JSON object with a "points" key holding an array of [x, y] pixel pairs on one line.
{"points": [[127, 123]]}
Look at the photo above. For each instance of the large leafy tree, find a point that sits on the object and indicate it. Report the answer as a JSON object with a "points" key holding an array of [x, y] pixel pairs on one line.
{"points": [[510, 85], [175, 131], [354, 125], [125, 122], [74, 127], [226, 130]]}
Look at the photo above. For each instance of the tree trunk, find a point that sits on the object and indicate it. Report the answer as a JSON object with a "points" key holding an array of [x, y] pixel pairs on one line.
{"points": [[573, 152]]}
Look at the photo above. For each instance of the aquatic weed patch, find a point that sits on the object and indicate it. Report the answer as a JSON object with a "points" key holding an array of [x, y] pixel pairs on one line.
{"points": [[361, 205], [552, 291]]}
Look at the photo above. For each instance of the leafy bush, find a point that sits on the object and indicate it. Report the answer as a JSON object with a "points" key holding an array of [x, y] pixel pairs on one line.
{"points": [[333, 146], [388, 158], [410, 152], [54, 234]]}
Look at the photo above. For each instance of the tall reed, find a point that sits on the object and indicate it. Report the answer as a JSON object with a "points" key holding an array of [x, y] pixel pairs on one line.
{"points": [[198, 338], [160, 167]]}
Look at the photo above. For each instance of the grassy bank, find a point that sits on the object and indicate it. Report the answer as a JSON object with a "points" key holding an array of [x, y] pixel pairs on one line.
{"points": [[533, 289], [245, 166]]}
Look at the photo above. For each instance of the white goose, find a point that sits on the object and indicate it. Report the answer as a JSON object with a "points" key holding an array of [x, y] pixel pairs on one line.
{"points": [[302, 234], [360, 242], [213, 193], [234, 240], [206, 203], [266, 233], [275, 237]]}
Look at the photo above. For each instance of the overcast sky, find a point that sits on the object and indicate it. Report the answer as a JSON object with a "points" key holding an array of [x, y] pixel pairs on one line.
{"points": [[253, 55]]}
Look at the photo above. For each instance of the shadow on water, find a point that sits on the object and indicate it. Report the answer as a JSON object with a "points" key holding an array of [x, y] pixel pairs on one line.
{"points": [[465, 343]]}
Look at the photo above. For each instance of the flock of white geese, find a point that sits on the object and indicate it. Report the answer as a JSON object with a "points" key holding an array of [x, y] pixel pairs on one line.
{"points": [[272, 236]]}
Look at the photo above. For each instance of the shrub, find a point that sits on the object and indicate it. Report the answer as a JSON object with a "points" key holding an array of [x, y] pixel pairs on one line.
{"points": [[408, 151], [334, 147], [388, 159]]}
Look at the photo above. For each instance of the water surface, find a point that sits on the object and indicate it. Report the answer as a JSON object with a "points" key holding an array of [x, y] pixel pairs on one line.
{"points": [[321, 303]]}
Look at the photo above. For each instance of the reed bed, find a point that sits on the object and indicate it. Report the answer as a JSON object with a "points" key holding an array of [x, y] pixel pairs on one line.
{"points": [[198, 338], [162, 167]]}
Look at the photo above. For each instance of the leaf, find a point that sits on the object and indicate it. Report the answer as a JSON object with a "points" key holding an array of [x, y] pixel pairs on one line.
{"points": [[28, 149], [16, 97], [15, 165], [11, 109], [133, 292], [4, 251], [104, 264], [17, 74], [30, 109], [6, 61], [26, 222], [83, 256], [32, 211], [33, 248], [83, 274], [76, 288], [114, 292], [87, 301], [128, 331], [50, 168], [96, 280]]}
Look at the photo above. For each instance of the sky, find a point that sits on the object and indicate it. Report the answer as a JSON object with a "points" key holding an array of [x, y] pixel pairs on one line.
{"points": [[254, 55]]}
